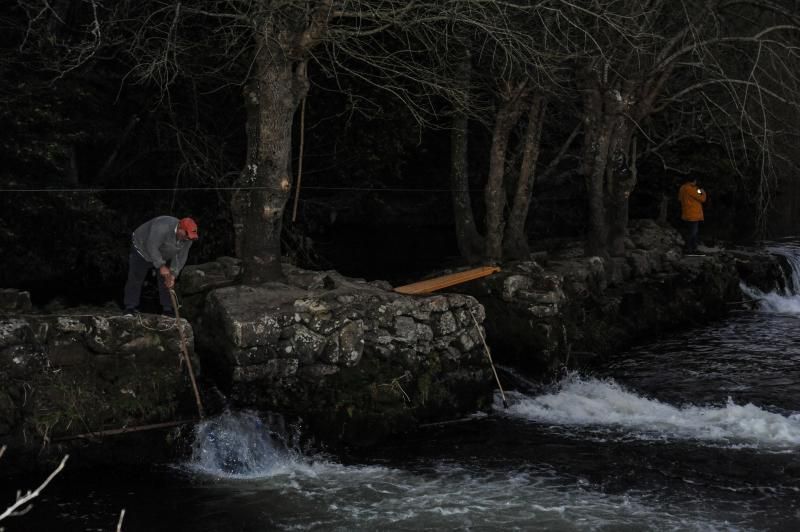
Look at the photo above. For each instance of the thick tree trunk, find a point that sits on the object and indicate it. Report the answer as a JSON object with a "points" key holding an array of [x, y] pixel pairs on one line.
{"points": [[495, 196], [240, 198], [595, 151], [621, 179], [516, 241], [610, 114], [470, 242], [597, 232], [280, 88], [280, 84]]}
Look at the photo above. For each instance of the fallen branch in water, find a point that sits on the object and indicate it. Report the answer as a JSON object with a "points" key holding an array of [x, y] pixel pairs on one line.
{"points": [[22, 500], [121, 517]]}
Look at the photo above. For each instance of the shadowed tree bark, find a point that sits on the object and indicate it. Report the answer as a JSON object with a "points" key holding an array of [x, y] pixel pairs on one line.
{"points": [[470, 243], [515, 241]]}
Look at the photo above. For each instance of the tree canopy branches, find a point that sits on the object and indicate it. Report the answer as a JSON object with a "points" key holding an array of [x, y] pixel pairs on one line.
{"points": [[659, 70]]}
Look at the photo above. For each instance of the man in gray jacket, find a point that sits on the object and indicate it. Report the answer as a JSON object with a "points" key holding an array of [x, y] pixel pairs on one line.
{"points": [[162, 243]]}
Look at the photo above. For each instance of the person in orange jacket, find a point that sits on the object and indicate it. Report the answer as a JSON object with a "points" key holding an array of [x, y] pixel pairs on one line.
{"points": [[692, 198]]}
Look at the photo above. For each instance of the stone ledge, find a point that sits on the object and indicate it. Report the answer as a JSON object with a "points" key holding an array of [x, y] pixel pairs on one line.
{"points": [[62, 375]]}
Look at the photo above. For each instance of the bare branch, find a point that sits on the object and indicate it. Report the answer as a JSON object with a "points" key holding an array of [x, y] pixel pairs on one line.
{"points": [[23, 500]]}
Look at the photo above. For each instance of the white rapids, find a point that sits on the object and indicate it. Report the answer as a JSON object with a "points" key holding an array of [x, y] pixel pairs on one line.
{"points": [[589, 402]]}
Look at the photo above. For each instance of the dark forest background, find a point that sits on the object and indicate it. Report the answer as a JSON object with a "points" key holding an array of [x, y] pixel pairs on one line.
{"points": [[93, 144]]}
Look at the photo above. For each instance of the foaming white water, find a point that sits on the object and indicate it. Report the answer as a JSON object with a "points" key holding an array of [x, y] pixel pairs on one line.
{"points": [[787, 299], [604, 403], [792, 253], [779, 302], [449, 496], [454, 497], [296, 492], [241, 445]]}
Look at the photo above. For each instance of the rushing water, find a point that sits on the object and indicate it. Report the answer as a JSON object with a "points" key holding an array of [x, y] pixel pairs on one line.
{"points": [[699, 430]]}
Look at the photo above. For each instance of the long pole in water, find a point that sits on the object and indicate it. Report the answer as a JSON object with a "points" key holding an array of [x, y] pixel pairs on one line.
{"points": [[185, 353], [489, 354], [125, 430]]}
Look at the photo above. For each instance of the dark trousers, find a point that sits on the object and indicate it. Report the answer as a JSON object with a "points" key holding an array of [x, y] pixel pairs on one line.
{"points": [[692, 230], [138, 268]]}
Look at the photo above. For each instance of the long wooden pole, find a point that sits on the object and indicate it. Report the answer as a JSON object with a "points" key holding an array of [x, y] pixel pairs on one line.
{"points": [[185, 353], [300, 159], [125, 430], [489, 354]]}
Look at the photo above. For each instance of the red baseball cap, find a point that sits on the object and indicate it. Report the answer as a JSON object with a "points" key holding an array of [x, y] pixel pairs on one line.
{"points": [[190, 226]]}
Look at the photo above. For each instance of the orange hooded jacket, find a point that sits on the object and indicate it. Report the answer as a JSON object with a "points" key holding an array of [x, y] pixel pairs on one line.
{"points": [[692, 198]]}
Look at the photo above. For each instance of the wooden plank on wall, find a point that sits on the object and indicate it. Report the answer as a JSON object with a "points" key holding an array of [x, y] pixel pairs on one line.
{"points": [[431, 285]]}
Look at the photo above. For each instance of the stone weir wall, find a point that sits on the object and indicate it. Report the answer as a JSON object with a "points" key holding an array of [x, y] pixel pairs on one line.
{"points": [[567, 310], [353, 359], [81, 373]]}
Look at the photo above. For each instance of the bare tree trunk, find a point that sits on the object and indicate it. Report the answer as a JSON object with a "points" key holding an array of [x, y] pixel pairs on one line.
{"points": [[616, 182], [495, 196], [610, 114], [470, 242], [240, 198], [282, 83], [663, 206], [597, 233], [621, 179], [516, 241], [595, 153]]}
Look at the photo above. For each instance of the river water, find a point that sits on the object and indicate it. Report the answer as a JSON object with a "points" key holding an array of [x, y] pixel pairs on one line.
{"points": [[699, 430]]}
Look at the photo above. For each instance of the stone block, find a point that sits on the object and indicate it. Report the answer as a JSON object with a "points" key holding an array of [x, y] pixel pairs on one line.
{"points": [[554, 297], [402, 306], [319, 371], [513, 284], [543, 311], [274, 369], [258, 354], [261, 330], [445, 324], [466, 341], [324, 324], [424, 333], [421, 315], [307, 344], [332, 351], [67, 351], [70, 324], [107, 334], [379, 337], [405, 329], [141, 344], [21, 361], [436, 303], [13, 300], [311, 306], [351, 343], [14, 331]]}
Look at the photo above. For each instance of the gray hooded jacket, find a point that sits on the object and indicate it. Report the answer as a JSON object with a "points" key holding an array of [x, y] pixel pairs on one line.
{"points": [[158, 243]]}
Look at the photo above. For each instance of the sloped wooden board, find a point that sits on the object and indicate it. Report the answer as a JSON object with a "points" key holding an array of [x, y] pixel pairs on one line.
{"points": [[437, 283]]}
